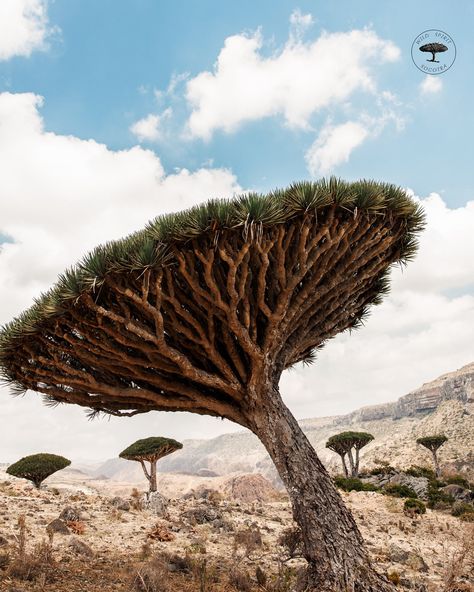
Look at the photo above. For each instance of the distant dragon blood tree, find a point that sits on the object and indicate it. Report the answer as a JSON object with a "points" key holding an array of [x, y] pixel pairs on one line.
{"points": [[203, 310], [432, 443], [346, 442], [37, 467], [150, 450]]}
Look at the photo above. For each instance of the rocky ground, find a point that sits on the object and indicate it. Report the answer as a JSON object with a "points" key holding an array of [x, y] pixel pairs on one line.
{"points": [[81, 536]]}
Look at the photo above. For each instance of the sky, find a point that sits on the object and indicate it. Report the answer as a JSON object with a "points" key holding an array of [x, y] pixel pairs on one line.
{"points": [[113, 112]]}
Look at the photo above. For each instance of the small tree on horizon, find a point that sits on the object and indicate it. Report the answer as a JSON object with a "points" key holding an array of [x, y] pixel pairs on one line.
{"points": [[38, 467], [433, 443], [150, 450], [350, 444]]}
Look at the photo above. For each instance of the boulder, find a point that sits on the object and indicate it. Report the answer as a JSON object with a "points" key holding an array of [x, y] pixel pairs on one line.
{"points": [[155, 502], [58, 526], [459, 493], [70, 514]]}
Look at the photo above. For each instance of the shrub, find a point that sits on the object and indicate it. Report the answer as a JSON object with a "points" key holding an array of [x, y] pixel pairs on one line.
{"points": [[240, 580], [414, 506], [460, 508], [417, 471], [385, 469], [37, 467], [397, 490], [291, 539], [436, 498], [458, 480], [353, 484]]}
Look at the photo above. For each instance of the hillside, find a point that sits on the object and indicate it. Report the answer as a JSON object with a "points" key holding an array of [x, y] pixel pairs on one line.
{"points": [[445, 404]]}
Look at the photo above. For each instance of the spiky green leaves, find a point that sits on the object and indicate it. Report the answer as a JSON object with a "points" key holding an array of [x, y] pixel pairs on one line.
{"points": [[347, 440], [37, 467], [150, 448], [248, 214], [432, 442]]}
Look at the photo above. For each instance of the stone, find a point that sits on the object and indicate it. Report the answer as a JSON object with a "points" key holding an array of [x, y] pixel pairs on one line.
{"points": [[155, 502], [58, 526], [121, 504], [70, 514], [459, 493], [80, 548]]}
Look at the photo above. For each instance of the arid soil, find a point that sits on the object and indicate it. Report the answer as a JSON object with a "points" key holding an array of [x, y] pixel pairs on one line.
{"points": [[222, 533]]}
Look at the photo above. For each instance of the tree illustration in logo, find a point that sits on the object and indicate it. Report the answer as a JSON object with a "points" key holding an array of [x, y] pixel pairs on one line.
{"points": [[433, 49]]}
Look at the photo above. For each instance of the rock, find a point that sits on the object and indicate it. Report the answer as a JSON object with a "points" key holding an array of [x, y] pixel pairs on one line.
{"points": [[155, 502], [416, 562], [121, 504], [80, 547], [397, 554], [70, 514], [250, 488], [418, 484], [202, 515], [58, 526], [459, 493], [206, 473]]}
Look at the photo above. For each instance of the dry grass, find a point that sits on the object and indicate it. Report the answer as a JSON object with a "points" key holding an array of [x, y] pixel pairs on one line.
{"points": [[460, 567]]}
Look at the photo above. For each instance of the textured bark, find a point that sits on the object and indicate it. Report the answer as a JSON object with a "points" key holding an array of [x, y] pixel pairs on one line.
{"points": [[436, 463], [334, 548], [344, 466], [153, 486]]}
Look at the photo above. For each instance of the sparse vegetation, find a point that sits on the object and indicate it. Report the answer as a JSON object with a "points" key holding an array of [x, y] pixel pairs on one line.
{"points": [[413, 507], [354, 484], [397, 490], [38, 467]]}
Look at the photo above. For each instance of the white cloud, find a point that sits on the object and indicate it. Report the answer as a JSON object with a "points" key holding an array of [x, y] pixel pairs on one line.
{"points": [[149, 129], [66, 195], [333, 146], [431, 85], [23, 27], [298, 81]]}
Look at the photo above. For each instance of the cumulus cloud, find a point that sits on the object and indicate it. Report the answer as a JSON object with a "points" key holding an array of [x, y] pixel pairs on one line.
{"points": [[149, 129], [333, 146], [24, 27], [60, 196], [431, 85], [296, 82]]}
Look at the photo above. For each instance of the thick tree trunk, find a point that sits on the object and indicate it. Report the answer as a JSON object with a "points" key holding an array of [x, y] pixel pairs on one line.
{"points": [[334, 549], [153, 486], [436, 464], [356, 468], [344, 466]]}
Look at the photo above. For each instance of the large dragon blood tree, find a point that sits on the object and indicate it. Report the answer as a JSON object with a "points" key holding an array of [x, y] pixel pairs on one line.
{"points": [[203, 310]]}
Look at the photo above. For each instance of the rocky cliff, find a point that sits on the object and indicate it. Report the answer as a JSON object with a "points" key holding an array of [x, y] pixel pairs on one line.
{"points": [[443, 405]]}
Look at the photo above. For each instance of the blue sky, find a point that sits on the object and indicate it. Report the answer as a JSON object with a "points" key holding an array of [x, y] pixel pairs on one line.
{"points": [[106, 51], [112, 112]]}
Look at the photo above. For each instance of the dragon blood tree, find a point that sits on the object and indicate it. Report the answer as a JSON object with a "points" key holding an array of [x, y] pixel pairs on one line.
{"points": [[38, 467], [432, 443], [346, 442], [203, 310], [150, 450]]}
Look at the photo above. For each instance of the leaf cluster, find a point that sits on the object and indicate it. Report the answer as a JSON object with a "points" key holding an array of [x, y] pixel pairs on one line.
{"points": [[346, 440], [37, 467], [153, 447], [249, 214], [432, 442]]}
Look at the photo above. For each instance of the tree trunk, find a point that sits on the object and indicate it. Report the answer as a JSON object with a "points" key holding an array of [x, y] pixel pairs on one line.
{"points": [[351, 463], [334, 548], [356, 471], [344, 466], [436, 464], [153, 486]]}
